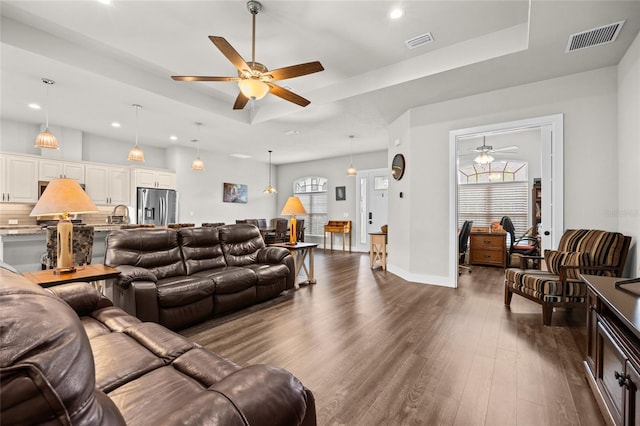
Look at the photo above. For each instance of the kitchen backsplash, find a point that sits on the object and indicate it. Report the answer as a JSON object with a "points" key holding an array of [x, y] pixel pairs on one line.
{"points": [[18, 215]]}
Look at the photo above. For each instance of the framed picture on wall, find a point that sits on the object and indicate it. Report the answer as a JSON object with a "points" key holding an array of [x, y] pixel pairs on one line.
{"points": [[234, 193], [341, 193]]}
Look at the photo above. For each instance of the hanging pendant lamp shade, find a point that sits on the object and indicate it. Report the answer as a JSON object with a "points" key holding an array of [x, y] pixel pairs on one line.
{"points": [[351, 171], [270, 189], [46, 139], [197, 164], [136, 153]]}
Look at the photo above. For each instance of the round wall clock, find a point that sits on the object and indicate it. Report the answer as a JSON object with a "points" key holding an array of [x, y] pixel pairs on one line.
{"points": [[397, 166]]}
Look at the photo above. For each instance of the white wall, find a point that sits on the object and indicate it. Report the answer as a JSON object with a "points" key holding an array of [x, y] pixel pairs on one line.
{"points": [[628, 211], [589, 104], [335, 170]]}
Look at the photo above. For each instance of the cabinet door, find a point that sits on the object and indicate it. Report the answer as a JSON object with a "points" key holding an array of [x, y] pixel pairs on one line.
{"points": [[145, 178], [96, 183], [49, 170], [592, 333], [119, 186], [633, 397], [73, 171], [611, 365], [166, 180], [21, 179]]}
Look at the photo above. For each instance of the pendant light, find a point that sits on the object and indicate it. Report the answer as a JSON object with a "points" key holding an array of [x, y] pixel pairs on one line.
{"points": [[46, 139], [351, 171], [136, 153], [197, 164], [270, 189]]}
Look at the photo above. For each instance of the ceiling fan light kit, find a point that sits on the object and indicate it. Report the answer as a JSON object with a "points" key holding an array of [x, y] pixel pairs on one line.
{"points": [[254, 79], [46, 139]]}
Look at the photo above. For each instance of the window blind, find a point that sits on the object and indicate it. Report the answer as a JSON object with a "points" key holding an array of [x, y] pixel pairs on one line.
{"points": [[316, 205], [484, 203]]}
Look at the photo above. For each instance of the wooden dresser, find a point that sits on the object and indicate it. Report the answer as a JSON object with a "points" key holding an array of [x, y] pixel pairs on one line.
{"points": [[487, 248], [612, 361]]}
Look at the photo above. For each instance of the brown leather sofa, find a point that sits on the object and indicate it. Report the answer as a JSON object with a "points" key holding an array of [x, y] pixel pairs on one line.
{"points": [[69, 356], [180, 277]]}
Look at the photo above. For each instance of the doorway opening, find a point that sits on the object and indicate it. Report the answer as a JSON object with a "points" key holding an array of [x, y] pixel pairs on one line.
{"points": [[372, 205], [549, 156]]}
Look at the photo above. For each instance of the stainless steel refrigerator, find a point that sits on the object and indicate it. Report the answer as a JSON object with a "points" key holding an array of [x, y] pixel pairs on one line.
{"points": [[157, 206]]}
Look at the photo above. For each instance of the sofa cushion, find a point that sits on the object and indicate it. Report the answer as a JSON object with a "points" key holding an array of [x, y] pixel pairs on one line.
{"points": [[604, 248], [179, 291], [268, 274], [547, 287], [201, 249], [154, 249], [554, 259], [240, 243], [230, 279]]}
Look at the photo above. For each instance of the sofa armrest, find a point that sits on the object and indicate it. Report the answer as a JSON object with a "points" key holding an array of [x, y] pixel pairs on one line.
{"points": [[129, 274], [525, 258], [272, 255], [82, 297], [282, 399]]}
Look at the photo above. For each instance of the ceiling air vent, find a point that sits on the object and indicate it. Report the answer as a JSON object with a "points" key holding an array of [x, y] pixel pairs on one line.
{"points": [[419, 40], [595, 37]]}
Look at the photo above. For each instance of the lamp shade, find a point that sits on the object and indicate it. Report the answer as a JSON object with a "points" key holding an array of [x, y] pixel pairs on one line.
{"points": [[46, 140], [293, 207], [253, 88], [197, 164], [63, 196]]}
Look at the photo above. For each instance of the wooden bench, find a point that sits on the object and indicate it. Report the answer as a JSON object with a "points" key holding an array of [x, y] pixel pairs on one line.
{"points": [[337, 226]]}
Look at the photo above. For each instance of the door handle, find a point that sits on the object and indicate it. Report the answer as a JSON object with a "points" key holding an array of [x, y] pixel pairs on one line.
{"points": [[547, 233]]}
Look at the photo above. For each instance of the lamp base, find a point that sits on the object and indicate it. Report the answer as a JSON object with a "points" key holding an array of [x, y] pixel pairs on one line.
{"points": [[292, 230], [60, 271], [65, 246]]}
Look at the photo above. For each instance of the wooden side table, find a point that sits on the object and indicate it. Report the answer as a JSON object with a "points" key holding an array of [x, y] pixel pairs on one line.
{"points": [[378, 249], [300, 253], [88, 273]]}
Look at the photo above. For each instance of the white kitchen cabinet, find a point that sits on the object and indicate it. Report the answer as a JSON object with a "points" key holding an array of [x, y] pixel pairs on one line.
{"points": [[148, 178], [18, 178], [53, 169], [107, 185]]}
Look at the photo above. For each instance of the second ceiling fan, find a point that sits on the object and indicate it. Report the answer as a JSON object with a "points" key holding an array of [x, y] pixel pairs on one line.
{"points": [[254, 79]]}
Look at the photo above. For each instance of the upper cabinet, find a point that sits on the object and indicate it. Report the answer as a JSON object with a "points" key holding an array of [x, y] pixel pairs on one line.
{"points": [[18, 178], [107, 185], [147, 178], [53, 169]]}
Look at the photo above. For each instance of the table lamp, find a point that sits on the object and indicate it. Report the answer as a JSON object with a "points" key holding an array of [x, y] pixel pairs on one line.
{"points": [[293, 207], [63, 197]]}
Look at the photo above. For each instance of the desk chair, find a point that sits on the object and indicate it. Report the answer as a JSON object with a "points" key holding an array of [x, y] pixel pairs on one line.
{"points": [[463, 245], [526, 245]]}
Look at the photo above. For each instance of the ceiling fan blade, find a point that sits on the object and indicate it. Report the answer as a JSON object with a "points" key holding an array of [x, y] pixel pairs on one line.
{"points": [[230, 53], [295, 71], [288, 95], [508, 148], [202, 78], [241, 101]]}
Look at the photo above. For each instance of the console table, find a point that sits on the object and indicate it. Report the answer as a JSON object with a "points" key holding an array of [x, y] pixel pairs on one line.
{"points": [[337, 226], [612, 361], [378, 249], [488, 248]]}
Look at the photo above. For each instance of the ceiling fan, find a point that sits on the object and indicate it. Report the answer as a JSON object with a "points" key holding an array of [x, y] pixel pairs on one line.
{"points": [[485, 152], [254, 79]]}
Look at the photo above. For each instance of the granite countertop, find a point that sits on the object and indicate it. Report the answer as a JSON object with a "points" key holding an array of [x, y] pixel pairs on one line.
{"points": [[35, 229]]}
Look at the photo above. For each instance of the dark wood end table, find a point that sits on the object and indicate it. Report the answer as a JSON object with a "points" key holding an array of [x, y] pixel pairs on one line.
{"points": [[88, 273]]}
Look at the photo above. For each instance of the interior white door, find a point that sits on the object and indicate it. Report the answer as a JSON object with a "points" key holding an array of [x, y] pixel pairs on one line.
{"points": [[372, 205]]}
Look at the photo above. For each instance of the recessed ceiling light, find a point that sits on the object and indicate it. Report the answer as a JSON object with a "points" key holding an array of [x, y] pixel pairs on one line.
{"points": [[35, 106], [292, 132], [240, 155], [107, 2], [115, 124], [173, 137], [396, 13]]}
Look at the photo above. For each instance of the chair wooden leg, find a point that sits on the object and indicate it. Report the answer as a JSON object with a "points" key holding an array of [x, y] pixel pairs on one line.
{"points": [[547, 311], [507, 295]]}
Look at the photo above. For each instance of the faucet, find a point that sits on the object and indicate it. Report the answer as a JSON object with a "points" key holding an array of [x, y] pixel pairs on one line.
{"points": [[125, 216]]}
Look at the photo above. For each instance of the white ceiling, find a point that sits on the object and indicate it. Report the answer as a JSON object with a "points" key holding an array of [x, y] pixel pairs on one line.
{"points": [[106, 58]]}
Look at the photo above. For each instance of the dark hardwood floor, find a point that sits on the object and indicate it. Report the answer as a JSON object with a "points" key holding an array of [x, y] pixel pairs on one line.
{"points": [[378, 350]]}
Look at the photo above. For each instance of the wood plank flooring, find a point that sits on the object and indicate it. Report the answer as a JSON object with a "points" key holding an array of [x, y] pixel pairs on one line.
{"points": [[378, 350]]}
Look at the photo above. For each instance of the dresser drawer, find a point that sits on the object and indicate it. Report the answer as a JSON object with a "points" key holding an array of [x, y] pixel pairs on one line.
{"points": [[488, 249], [487, 257]]}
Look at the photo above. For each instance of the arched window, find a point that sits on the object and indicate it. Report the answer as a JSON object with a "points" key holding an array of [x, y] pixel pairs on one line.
{"points": [[312, 191]]}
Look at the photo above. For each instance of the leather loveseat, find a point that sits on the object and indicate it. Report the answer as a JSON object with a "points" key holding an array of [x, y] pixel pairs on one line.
{"points": [[180, 277], [68, 356]]}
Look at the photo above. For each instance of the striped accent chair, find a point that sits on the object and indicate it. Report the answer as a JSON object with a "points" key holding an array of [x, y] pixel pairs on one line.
{"points": [[580, 251]]}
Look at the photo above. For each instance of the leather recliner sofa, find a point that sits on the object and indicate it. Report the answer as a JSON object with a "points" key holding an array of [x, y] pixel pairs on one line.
{"points": [[180, 277], [68, 356]]}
